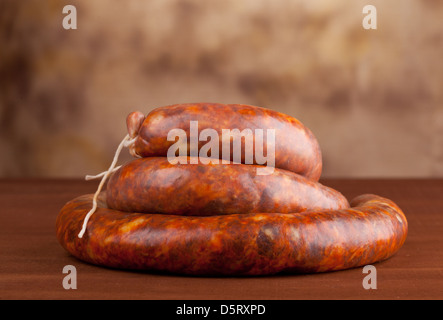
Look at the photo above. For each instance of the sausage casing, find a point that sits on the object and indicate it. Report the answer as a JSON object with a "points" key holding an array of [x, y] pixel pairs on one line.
{"points": [[246, 244], [296, 148], [153, 185]]}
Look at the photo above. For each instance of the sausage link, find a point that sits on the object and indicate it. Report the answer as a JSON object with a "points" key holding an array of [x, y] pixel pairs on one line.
{"points": [[153, 185], [245, 244], [296, 148]]}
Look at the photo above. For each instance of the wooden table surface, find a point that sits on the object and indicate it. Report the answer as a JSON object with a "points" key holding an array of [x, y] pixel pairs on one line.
{"points": [[31, 259]]}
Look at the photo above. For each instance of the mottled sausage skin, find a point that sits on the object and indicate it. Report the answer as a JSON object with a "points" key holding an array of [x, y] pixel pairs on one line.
{"points": [[153, 185], [296, 148], [246, 244]]}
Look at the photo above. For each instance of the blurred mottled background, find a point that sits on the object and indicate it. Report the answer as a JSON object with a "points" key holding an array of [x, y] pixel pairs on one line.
{"points": [[373, 98]]}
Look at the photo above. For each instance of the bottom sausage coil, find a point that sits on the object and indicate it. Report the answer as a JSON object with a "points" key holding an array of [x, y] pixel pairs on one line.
{"points": [[372, 230]]}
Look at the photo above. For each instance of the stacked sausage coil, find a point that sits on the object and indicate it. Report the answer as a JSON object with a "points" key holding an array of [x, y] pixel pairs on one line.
{"points": [[223, 218]]}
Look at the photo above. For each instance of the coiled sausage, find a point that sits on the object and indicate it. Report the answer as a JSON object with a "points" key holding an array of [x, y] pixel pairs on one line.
{"points": [[244, 244], [296, 148], [153, 185]]}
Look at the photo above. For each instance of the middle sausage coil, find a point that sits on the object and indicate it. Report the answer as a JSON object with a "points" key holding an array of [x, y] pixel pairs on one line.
{"points": [[153, 185]]}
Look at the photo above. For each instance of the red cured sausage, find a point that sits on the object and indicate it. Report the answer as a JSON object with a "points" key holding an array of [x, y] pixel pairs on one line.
{"points": [[245, 244], [296, 148], [153, 185]]}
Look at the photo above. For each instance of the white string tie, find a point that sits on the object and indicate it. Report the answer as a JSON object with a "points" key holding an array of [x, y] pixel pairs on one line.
{"points": [[126, 142]]}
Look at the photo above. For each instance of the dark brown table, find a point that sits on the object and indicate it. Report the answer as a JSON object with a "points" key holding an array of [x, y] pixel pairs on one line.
{"points": [[31, 260]]}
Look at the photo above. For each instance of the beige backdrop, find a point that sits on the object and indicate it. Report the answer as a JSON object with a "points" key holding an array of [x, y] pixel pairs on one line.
{"points": [[373, 98]]}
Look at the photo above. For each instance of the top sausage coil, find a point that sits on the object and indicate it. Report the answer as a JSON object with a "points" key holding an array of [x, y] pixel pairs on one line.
{"points": [[296, 148]]}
